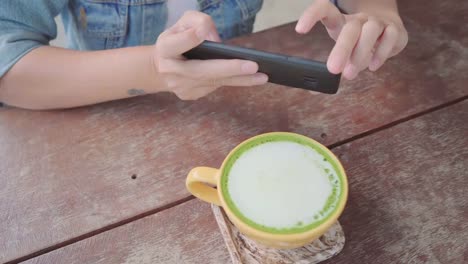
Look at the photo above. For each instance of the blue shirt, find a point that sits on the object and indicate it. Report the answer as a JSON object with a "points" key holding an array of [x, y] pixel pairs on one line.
{"points": [[104, 24]]}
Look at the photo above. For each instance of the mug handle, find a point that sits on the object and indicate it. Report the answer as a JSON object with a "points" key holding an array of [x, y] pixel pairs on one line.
{"points": [[197, 184]]}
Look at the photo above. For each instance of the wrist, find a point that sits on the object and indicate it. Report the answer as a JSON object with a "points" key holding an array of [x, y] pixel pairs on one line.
{"points": [[368, 6], [379, 9], [151, 81]]}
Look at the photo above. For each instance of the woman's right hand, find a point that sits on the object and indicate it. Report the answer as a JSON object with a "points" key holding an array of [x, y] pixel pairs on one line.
{"points": [[193, 79]]}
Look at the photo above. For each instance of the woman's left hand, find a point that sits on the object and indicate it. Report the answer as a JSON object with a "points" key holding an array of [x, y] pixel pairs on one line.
{"points": [[363, 40]]}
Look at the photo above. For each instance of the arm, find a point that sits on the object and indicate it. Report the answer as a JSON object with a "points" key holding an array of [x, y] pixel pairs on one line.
{"points": [[46, 77], [51, 77]]}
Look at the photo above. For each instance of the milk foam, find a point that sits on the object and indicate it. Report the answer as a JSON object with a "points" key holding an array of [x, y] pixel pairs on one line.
{"points": [[283, 185]]}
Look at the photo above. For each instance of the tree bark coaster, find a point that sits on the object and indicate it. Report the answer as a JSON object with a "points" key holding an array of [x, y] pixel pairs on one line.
{"points": [[245, 251]]}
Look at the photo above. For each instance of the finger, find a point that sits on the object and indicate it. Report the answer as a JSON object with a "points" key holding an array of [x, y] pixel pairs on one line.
{"points": [[246, 80], [349, 71], [202, 22], [344, 46], [211, 86], [321, 10], [187, 33], [213, 36], [215, 69], [362, 53], [386, 45], [401, 42], [195, 93], [173, 45]]}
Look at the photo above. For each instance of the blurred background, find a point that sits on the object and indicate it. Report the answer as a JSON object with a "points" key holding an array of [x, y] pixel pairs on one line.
{"points": [[273, 13]]}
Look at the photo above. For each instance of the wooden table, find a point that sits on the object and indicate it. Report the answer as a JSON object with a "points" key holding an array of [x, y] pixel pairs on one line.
{"points": [[105, 184]]}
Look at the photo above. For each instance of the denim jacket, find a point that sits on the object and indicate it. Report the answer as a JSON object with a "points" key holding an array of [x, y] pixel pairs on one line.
{"points": [[104, 24]]}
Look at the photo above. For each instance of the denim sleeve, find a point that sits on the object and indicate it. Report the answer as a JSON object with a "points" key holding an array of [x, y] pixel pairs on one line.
{"points": [[25, 25]]}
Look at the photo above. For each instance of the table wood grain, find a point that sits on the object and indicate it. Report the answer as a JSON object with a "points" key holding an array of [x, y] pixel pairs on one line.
{"points": [[407, 204], [153, 239]]}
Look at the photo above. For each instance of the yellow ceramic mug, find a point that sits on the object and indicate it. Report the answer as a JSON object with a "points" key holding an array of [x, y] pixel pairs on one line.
{"points": [[201, 179]]}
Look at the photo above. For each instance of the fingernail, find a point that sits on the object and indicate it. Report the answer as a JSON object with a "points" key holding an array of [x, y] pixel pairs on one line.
{"points": [[336, 64], [375, 64], [261, 78], [249, 67], [333, 67], [350, 71], [300, 28], [212, 37]]}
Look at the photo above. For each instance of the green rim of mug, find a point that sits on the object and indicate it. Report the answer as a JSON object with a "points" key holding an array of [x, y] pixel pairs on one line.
{"points": [[333, 199]]}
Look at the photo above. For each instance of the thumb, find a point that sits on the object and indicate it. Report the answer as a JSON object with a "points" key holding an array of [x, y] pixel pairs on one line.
{"points": [[324, 11], [173, 44]]}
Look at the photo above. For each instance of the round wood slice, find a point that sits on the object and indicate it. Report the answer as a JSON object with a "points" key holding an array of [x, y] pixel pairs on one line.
{"points": [[245, 251]]}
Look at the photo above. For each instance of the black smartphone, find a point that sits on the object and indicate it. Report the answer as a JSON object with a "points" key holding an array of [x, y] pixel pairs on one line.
{"points": [[281, 69]]}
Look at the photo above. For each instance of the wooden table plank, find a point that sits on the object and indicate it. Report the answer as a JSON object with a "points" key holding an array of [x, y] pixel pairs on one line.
{"points": [[407, 204], [72, 169], [154, 239], [408, 199]]}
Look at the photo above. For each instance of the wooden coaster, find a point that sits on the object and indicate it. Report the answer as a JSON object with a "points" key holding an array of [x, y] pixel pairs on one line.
{"points": [[245, 251]]}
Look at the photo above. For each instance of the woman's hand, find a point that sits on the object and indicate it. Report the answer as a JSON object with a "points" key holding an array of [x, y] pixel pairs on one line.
{"points": [[192, 79], [363, 40]]}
